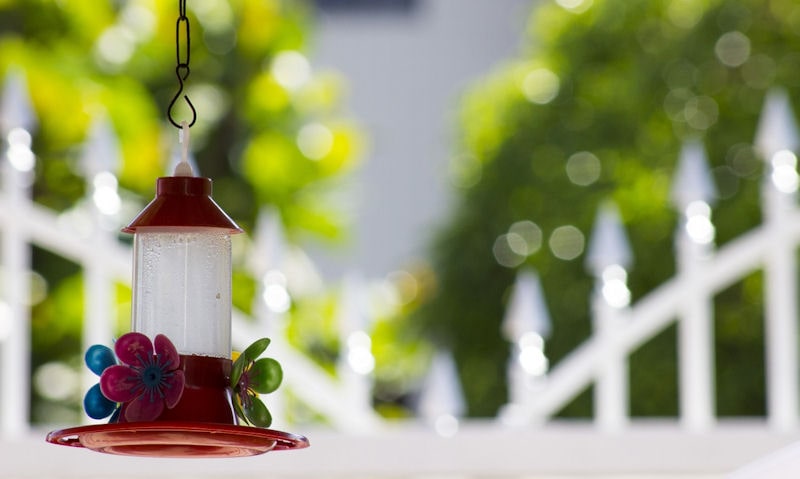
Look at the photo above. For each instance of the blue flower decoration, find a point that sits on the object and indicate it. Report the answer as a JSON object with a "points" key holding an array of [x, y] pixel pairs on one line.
{"points": [[96, 405]]}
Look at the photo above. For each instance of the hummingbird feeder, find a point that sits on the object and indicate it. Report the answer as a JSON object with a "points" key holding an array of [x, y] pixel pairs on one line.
{"points": [[171, 387]]}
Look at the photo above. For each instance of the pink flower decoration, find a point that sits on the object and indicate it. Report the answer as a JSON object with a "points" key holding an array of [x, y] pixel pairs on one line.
{"points": [[145, 380]]}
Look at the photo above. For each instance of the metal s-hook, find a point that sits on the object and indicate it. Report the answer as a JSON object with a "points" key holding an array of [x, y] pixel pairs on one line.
{"points": [[182, 68], [181, 79]]}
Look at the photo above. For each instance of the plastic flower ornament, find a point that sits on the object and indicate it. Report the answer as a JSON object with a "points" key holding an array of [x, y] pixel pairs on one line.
{"points": [[98, 358], [250, 377], [147, 380]]}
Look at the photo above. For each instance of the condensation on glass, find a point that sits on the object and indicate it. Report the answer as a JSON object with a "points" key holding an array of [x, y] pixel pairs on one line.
{"points": [[182, 287]]}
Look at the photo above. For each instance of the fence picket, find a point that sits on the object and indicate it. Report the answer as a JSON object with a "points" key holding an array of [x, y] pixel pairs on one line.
{"points": [[777, 136], [780, 298], [16, 122], [526, 326], [609, 256], [693, 195], [16, 260]]}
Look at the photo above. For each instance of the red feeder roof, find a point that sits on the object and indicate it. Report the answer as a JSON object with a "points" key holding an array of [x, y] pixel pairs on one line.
{"points": [[183, 201]]}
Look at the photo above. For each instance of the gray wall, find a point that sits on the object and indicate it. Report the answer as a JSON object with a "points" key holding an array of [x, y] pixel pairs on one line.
{"points": [[405, 74]]}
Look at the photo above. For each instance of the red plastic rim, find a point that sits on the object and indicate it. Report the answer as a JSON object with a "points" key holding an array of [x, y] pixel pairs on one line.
{"points": [[177, 439]]}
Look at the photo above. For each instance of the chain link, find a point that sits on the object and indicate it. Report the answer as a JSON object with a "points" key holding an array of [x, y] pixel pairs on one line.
{"points": [[184, 21]]}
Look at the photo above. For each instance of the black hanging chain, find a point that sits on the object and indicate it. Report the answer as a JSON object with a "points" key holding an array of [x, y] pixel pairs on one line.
{"points": [[183, 20], [182, 58]]}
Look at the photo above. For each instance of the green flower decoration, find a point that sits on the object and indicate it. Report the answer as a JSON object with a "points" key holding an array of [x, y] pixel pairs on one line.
{"points": [[250, 377]]}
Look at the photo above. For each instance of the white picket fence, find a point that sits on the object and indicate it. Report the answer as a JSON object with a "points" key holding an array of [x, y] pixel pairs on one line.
{"points": [[86, 235], [687, 299]]}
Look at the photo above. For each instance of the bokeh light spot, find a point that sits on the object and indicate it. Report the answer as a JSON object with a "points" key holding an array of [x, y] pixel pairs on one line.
{"points": [[405, 284], [315, 141], [504, 255], [116, 45], [615, 287], [275, 295], [701, 112], [531, 355], [567, 242], [583, 168], [105, 196], [732, 49], [359, 355], [20, 137], [540, 86], [575, 6], [291, 69], [139, 19], [524, 237], [39, 288], [685, 13], [19, 152], [56, 381], [784, 171], [743, 160], [698, 222]]}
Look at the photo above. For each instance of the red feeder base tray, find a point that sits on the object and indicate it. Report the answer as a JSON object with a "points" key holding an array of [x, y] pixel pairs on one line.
{"points": [[177, 439]]}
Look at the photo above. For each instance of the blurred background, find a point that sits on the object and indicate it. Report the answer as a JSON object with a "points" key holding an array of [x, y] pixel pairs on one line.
{"points": [[479, 218]]}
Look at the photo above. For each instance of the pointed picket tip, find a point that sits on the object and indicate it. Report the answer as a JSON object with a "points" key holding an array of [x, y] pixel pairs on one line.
{"points": [[693, 180], [609, 243], [441, 393], [16, 108], [777, 126], [269, 243], [101, 150], [527, 310]]}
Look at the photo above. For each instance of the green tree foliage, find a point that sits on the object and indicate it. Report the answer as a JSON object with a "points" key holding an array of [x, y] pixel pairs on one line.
{"points": [[627, 81], [269, 131], [253, 93]]}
